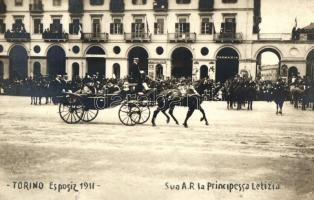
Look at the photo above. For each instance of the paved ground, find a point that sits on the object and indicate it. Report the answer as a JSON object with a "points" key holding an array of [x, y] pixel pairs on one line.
{"points": [[134, 163]]}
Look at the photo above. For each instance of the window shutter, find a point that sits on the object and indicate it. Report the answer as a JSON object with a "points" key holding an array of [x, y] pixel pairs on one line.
{"points": [[187, 27], [155, 27], [133, 28], [142, 27], [234, 27], [203, 27], [111, 28], [41, 28], [121, 28], [211, 28], [71, 28], [177, 27]]}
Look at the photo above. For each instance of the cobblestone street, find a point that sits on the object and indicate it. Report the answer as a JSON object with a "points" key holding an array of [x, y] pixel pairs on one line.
{"points": [[141, 162]]}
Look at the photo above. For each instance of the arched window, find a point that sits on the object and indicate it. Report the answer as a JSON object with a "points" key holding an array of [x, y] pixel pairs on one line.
{"points": [[75, 70], [37, 69], [116, 70]]}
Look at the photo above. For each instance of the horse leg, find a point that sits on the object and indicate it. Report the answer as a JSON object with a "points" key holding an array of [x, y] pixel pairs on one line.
{"points": [[277, 108], [155, 115], [31, 100], [204, 115], [171, 114], [164, 112], [281, 105], [188, 115]]}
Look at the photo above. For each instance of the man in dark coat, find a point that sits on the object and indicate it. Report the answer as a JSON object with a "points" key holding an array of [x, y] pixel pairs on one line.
{"points": [[135, 71]]}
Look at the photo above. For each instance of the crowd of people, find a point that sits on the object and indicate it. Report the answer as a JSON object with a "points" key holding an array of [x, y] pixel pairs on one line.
{"points": [[212, 90]]}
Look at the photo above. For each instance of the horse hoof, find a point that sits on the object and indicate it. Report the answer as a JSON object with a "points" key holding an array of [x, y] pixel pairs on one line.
{"points": [[153, 124], [168, 120], [185, 125], [177, 123], [202, 119], [207, 124]]}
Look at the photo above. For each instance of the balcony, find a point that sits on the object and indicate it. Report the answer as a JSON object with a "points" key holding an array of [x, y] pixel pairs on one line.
{"points": [[182, 37], [117, 6], [76, 6], [206, 5], [95, 37], [160, 5], [228, 37], [17, 36], [137, 37], [3, 7], [36, 8], [55, 37]]}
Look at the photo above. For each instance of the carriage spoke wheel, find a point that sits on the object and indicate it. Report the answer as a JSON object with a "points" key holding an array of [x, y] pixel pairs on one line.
{"points": [[129, 114], [89, 115], [72, 110], [145, 114]]}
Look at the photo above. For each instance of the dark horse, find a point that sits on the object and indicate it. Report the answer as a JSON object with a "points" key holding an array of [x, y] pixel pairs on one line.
{"points": [[279, 96], [170, 98]]}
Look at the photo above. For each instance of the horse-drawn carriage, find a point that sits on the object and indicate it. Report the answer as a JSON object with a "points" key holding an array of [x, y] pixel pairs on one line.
{"points": [[74, 108]]}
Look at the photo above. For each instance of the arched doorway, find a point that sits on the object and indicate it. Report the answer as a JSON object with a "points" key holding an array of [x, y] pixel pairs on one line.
{"points": [[203, 72], [142, 55], [310, 65], [182, 63], [268, 64], [293, 71], [56, 59], [1, 71], [37, 69], [75, 70], [18, 62], [159, 72], [96, 61], [116, 70], [227, 64]]}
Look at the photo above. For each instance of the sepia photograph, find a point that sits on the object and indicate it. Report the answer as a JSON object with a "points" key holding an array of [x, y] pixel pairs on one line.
{"points": [[156, 99]]}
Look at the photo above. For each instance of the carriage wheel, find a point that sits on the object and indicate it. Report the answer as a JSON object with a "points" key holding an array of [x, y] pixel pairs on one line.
{"points": [[129, 114], [72, 110], [89, 115], [145, 114]]}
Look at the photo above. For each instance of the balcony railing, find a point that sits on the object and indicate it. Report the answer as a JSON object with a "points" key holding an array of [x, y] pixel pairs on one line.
{"points": [[206, 5], [137, 37], [36, 8], [95, 37], [182, 37], [76, 6], [117, 5], [274, 36], [160, 5], [3, 7], [55, 37], [17, 36], [228, 37]]}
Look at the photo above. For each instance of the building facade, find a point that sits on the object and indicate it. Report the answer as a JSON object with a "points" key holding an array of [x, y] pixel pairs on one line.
{"points": [[171, 38]]}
